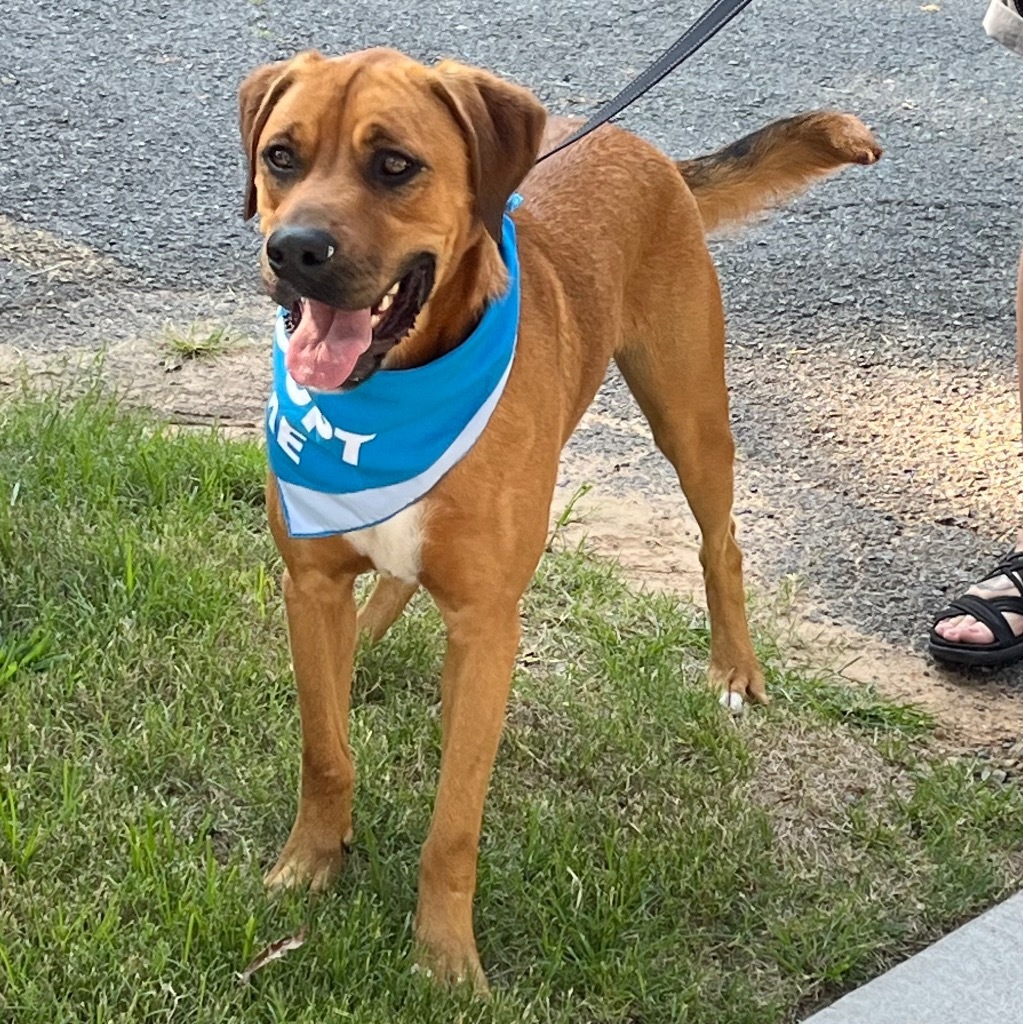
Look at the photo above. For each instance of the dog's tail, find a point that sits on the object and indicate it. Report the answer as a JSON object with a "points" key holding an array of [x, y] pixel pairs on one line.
{"points": [[775, 163]]}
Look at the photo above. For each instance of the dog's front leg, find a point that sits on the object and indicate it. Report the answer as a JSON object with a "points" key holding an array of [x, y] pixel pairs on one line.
{"points": [[321, 629], [482, 641]]}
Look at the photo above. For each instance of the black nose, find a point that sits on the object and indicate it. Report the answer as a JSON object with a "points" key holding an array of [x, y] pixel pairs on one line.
{"points": [[299, 249]]}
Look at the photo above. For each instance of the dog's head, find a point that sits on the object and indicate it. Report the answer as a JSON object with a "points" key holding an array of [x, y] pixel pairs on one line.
{"points": [[374, 177]]}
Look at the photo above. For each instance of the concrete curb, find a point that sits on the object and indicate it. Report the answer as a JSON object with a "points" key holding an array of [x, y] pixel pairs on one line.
{"points": [[973, 976]]}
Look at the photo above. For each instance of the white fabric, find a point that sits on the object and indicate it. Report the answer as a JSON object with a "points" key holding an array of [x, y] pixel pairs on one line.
{"points": [[1003, 23]]}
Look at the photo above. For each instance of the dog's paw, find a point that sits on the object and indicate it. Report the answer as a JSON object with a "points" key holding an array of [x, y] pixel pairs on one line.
{"points": [[739, 686], [451, 967], [302, 864]]}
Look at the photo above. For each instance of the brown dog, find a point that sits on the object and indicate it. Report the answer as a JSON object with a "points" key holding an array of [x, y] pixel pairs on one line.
{"points": [[380, 185]]}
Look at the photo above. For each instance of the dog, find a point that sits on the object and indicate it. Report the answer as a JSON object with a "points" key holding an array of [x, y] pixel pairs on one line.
{"points": [[382, 187]]}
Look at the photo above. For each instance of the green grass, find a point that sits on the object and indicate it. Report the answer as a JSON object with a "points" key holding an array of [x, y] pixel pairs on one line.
{"points": [[644, 858]]}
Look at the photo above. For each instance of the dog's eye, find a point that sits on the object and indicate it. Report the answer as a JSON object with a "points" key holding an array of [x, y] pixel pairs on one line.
{"points": [[280, 158], [393, 168]]}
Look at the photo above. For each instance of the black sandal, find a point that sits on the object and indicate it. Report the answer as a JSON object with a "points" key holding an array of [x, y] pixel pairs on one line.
{"points": [[1006, 646]]}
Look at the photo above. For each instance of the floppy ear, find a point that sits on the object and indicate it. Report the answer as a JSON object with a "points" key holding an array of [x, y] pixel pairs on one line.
{"points": [[502, 124], [257, 97]]}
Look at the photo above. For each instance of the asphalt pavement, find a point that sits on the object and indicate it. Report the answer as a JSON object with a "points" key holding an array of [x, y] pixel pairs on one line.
{"points": [[871, 345]]}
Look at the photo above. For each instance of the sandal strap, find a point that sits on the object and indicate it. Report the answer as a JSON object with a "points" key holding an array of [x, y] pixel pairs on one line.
{"points": [[1011, 567], [991, 613]]}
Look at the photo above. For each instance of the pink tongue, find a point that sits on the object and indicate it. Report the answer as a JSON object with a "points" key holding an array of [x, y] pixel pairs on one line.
{"points": [[326, 345]]}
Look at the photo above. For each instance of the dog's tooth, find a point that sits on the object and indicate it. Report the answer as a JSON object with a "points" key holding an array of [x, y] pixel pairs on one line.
{"points": [[375, 319], [385, 302], [393, 293]]}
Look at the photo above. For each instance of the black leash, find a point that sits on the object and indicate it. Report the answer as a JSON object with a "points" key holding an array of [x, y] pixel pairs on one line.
{"points": [[712, 21]]}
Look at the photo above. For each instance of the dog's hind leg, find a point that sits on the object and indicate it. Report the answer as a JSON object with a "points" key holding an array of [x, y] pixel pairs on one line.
{"points": [[383, 606], [673, 363]]}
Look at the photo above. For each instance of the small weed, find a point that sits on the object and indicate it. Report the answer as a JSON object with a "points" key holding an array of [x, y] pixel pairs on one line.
{"points": [[566, 516], [199, 341]]}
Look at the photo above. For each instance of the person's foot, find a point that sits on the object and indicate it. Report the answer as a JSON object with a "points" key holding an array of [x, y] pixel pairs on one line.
{"points": [[993, 633], [960, 629]]}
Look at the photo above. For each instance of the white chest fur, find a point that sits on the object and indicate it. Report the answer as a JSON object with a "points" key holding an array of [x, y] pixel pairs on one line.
{"points": [[394, 546]]}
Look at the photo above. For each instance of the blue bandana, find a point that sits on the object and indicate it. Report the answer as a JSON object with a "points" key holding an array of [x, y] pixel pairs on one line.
{"points": [[346, 461]]}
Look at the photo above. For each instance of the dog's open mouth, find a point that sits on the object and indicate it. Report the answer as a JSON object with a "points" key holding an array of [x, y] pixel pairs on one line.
{"points": [[334, 349]]}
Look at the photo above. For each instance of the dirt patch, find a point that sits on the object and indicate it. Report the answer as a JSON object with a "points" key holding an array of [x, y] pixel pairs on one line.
{"points": [[227, 390], [655, 540]]}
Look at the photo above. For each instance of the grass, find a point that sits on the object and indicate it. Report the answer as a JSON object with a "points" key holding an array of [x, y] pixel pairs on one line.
{"points": [[644, 859]]}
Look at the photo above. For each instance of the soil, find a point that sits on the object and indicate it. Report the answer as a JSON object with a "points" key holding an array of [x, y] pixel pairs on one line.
{"points": [[651, 535]]}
